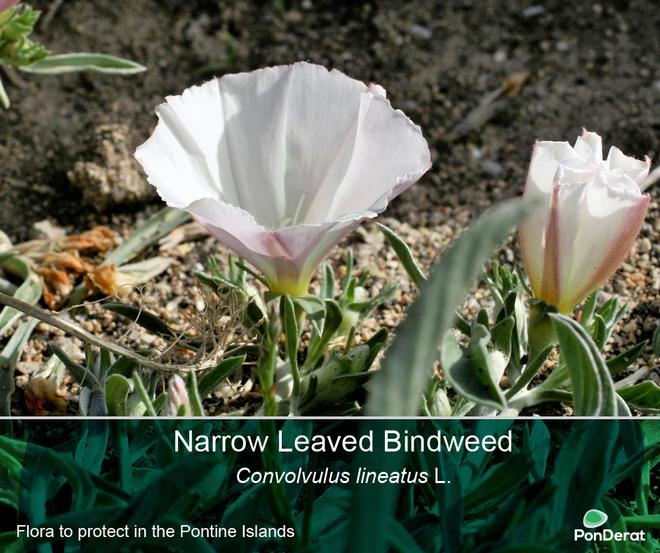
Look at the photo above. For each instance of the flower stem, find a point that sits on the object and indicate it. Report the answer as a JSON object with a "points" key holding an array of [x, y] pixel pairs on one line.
{"points": [[292, 317], [266, 373], [541, 333]]}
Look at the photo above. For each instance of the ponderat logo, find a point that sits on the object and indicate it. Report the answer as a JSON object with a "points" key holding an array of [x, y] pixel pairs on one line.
{"points": [[594, 519]]}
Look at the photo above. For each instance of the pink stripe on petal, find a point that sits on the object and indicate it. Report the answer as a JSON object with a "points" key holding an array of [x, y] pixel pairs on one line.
{"points": [[616, 254], [550, 285]]}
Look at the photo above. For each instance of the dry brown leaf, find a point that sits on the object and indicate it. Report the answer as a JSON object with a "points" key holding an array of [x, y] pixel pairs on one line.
{"points": [[43, 397], [515, 81], [70, 260], [99, 239], [107, 281], [57, 285]]}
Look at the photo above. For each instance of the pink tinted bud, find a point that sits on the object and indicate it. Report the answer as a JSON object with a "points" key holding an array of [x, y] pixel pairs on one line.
{"points": [[590, 212], [177, 396]]}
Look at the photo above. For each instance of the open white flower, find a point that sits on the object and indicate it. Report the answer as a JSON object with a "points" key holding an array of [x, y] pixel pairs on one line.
{"points": [[591, 212], [282, 163]]}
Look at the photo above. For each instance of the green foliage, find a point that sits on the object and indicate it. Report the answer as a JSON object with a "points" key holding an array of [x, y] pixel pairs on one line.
{"points": [[398, 389], [644, 396], [16, 24], [405, 256], [29, 291], [149, 321], [8, 358], [515, 340], [474, 373], [529, 500], [593, 388], [82, 61], [217, 374]]}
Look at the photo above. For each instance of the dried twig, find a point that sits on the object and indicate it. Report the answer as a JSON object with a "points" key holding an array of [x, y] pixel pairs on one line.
{"points": [[50, 14], [77, 332], [13, 77]]}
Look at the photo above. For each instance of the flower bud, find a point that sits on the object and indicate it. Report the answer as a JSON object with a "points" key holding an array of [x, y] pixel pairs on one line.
{"points": [[590, 212], [178, 401]]}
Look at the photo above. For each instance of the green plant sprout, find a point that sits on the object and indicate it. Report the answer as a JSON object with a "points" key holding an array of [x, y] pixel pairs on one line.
{"points": [[18, 50]]}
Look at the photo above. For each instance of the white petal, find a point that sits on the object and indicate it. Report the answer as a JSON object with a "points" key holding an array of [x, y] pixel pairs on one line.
{"points": [[636, 169], [323, 108], [180, 156], [377, 90], [589, 146], [594, 247], [389, 155], [546, 158], [570, 206], [288, 144]]}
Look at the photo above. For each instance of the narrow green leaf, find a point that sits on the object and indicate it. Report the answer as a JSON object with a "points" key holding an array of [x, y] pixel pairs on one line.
{"points": [[348, 261], [291, 332], [144, 395], [489, 367], [146, 319], [29, 291], [4, 97], [196, 408], [9, 357], [644, 396], [312, 305], [404, 254], [593, 388], [529, 372], [157, 226], [328, 282], [621, 362], [143, 271], [502, 334], [83, 61], [82, 375], [599, 332], [397, 390], [217, 374], [656, 341], [332, 321], [588, 309]]}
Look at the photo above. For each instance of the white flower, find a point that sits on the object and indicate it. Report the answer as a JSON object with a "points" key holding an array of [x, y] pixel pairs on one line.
{"points": [[282, 163], [591, 212]]}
